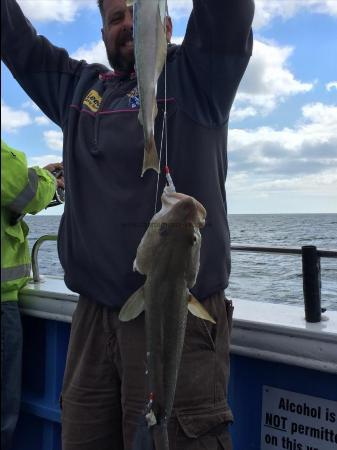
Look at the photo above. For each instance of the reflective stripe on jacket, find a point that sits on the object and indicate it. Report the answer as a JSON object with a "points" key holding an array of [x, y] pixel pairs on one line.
{"points": [[23, 191]]}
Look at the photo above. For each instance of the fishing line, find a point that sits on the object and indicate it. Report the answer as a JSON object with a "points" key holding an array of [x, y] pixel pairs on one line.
{"points": [[160, 153], [164, 130], [167, 170], [165, 110]]}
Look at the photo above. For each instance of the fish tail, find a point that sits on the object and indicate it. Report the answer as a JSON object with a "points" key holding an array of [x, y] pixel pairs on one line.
{"points": [[151, 160]]}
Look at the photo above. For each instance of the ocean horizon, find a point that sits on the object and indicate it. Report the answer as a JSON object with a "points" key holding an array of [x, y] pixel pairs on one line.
{"points": [[264, 277]]}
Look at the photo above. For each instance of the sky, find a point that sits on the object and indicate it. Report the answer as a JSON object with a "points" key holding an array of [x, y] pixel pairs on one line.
{"points": [[282, 144]]}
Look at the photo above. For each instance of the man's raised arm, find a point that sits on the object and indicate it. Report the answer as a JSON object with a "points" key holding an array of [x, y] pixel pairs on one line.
{"points": [[44, 71], [221, 26], [216, 51]]}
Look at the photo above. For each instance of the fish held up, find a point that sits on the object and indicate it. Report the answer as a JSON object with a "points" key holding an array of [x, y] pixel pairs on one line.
{"points": [[169, 256], [150, 55]]}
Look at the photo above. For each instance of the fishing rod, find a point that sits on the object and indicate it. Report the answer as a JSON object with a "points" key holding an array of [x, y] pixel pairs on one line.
{"points": [[59, 196]]}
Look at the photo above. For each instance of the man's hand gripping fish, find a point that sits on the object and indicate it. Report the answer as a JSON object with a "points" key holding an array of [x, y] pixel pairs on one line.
{"points": [[169, 255], [150, 55]]}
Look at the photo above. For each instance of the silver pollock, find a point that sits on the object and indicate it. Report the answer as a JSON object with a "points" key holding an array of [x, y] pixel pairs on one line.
{"points": [[169, 256]]}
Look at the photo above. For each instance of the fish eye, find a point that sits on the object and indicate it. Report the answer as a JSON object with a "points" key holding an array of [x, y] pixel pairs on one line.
{"points": [[194, 239]]}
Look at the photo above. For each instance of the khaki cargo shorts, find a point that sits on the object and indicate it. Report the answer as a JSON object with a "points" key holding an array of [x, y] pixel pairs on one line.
{"points": [[104, 383]]}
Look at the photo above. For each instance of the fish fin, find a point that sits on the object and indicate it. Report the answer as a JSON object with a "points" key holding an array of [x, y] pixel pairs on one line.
{"points": [[140, 118], [151, 160], [198, 310], [155, 110], [135, 267], [134, 306]]}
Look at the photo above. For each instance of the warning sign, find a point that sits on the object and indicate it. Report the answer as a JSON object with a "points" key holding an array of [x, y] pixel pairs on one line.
{"points": [[295, 421]]}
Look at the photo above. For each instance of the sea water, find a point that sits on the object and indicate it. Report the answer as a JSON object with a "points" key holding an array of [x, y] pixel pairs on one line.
{"points": [[255, 276]]}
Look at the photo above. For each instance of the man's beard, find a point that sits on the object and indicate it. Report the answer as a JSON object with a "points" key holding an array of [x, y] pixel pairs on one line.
{"points": [[119, 62], [116, 58]]}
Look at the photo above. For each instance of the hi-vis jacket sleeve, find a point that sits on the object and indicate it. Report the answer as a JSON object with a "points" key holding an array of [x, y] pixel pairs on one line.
{"points": [[217, 46], [44, 71], [24, 190]]}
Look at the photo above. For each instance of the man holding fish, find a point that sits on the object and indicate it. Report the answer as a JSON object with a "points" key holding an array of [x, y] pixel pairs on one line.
{"points": [[149, 374]]}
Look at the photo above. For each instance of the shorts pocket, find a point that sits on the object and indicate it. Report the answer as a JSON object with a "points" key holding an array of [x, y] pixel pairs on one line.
{"points": [[204, 430], [197, 423], [199, 334]]}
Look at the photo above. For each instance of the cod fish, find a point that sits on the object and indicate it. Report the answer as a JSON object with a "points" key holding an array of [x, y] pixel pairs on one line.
{"points": [[169, 255], [150, 55]]}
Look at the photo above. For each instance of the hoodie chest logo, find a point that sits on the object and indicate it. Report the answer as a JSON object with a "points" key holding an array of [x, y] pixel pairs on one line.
{"points": [[93, 101], [134, 101]]}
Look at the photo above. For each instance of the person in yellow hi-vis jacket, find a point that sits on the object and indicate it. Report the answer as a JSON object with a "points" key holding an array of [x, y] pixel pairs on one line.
{"points": [[23, 190]]}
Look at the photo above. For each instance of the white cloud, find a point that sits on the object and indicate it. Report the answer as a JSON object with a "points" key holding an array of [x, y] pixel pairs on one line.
{"points": [[55, 10], [92, 53], [323, 183], [299, 194], [67, 10], [179, 8], [317, 126], [42, 120], [29, 104], [268, 81], [331, 85], [13, 119], [242, 113], [304, 152], [308, 193], [177, 40], [54, 139], [43, 160], [288, 170], [267, 10]]}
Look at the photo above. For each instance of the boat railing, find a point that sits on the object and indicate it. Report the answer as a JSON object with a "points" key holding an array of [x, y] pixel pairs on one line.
{"points": [[35, 251], [311, 269]]}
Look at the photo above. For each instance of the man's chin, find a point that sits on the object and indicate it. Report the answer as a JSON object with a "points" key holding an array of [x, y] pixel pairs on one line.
{"points": [[125, 62], [127, 54]]}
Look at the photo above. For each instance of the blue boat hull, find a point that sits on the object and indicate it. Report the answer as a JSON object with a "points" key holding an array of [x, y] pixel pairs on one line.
{"points": [[45, 347]]}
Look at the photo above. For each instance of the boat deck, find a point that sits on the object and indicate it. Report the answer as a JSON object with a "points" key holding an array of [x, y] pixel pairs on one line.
{"points": [[274, 353]]}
